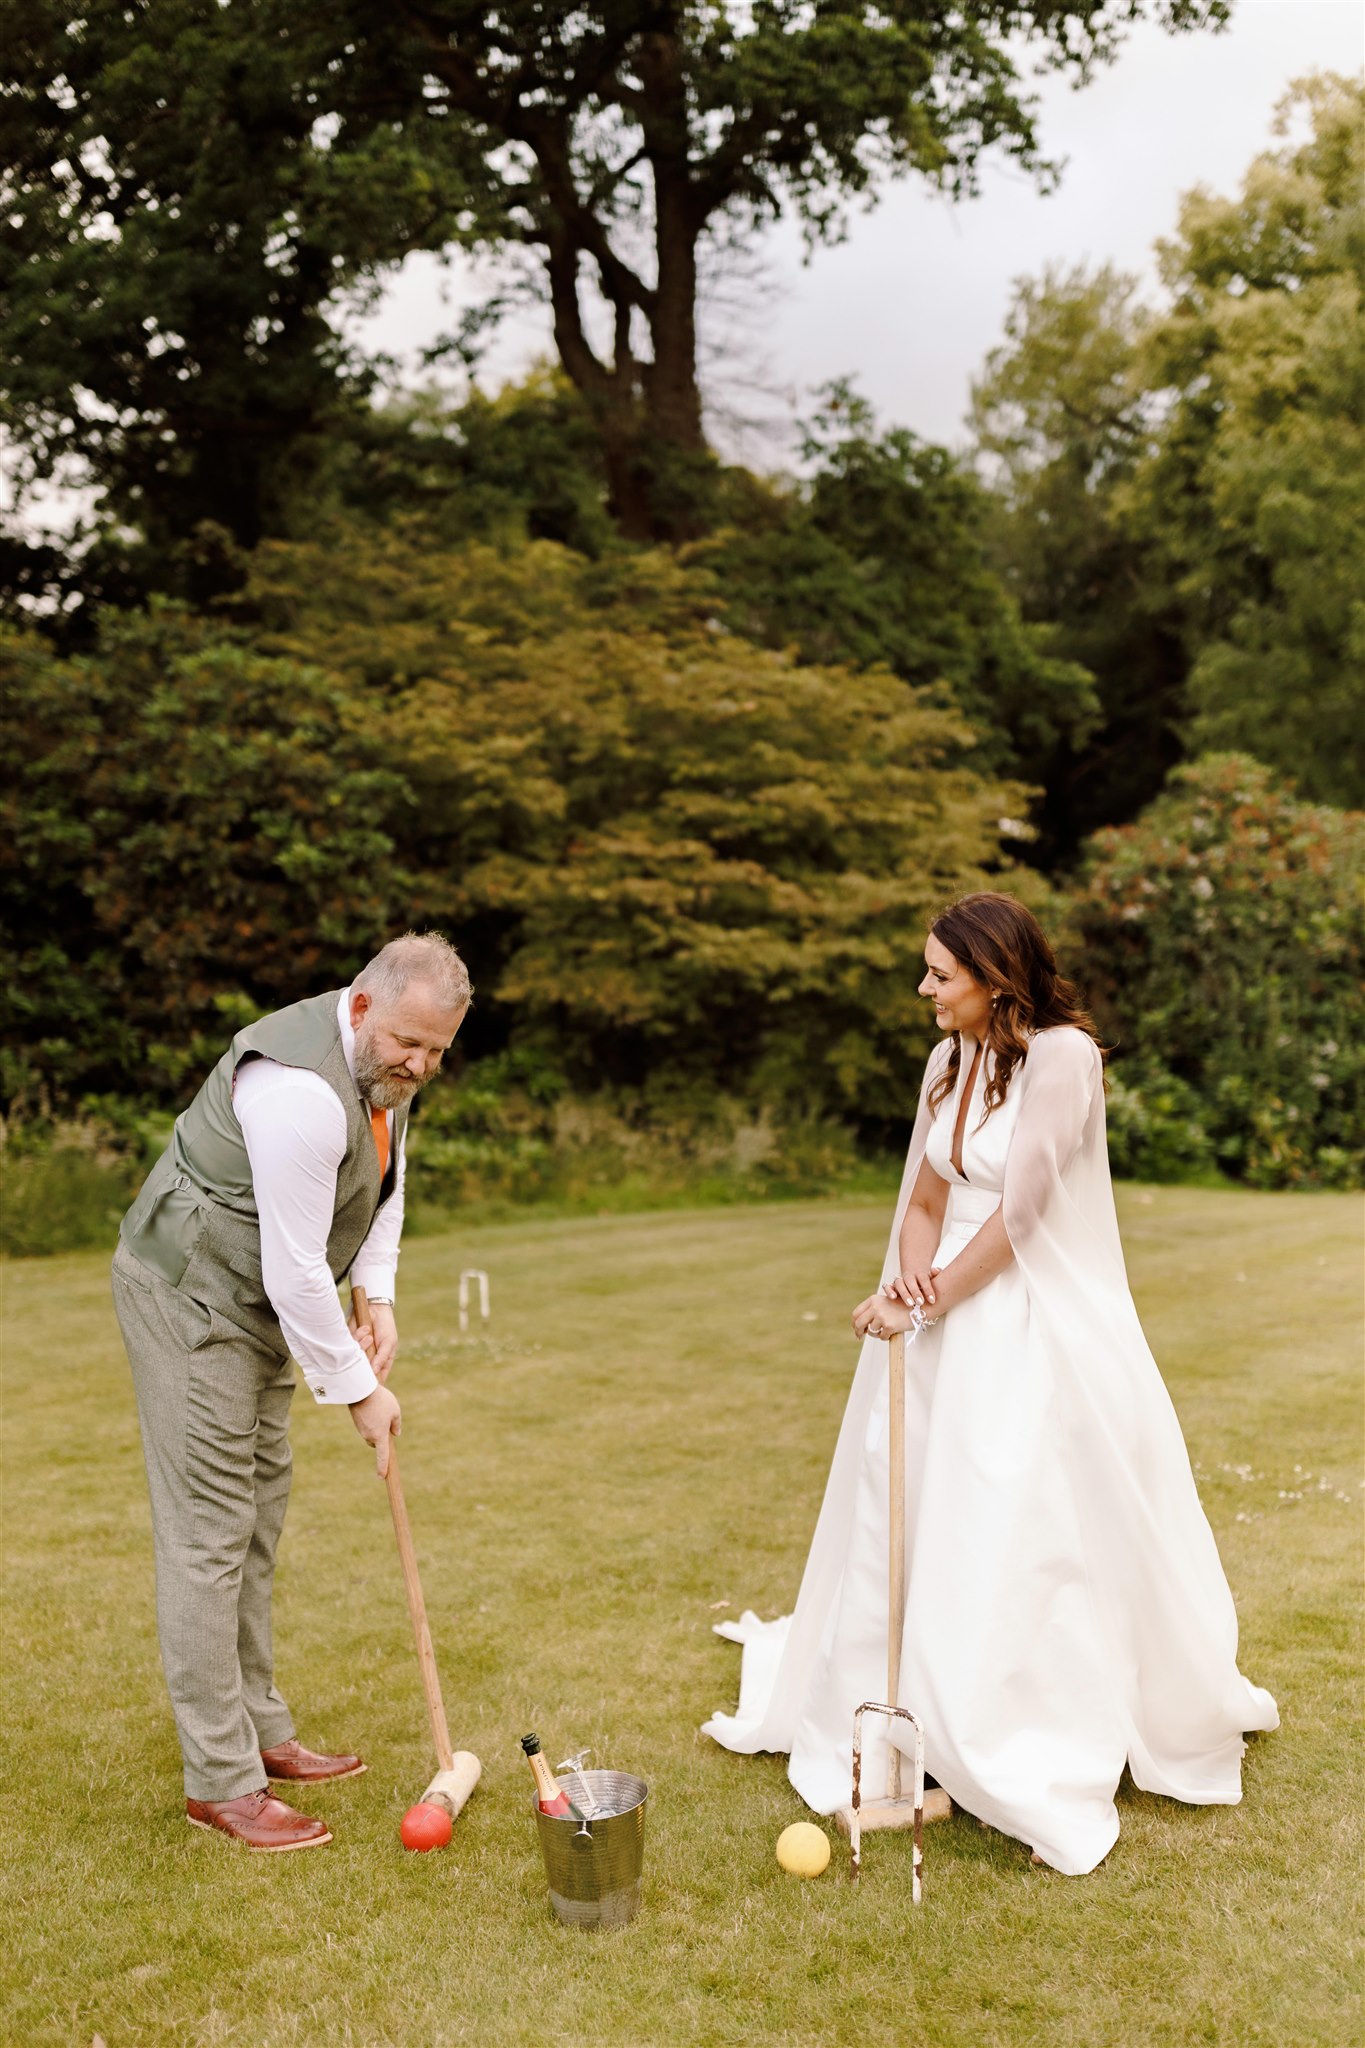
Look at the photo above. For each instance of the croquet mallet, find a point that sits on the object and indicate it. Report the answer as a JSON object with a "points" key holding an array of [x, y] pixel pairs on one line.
{"points": [[894, 1811], [459, 1772]]}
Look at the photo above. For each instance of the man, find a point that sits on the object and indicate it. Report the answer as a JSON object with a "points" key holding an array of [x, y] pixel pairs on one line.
{"points": [[284, 1175]]}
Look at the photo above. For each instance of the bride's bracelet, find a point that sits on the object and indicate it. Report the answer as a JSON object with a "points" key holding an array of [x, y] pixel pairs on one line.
{"points": [[918, 1319]]}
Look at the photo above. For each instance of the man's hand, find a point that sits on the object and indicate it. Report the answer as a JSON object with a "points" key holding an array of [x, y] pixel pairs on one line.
{"points": [[377, 1418], [378, 1338]]}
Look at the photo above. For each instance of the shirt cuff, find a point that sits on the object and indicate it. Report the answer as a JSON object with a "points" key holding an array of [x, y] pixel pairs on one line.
{"points": [[375, 1277], [341, 1388]]}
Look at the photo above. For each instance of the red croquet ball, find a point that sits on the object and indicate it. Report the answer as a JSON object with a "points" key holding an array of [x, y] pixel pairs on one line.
{"points": [[425, 1827]]}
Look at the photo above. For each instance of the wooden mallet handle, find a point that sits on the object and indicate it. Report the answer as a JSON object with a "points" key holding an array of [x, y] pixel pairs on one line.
{"points": [[895, 1620], [407, 1557]]}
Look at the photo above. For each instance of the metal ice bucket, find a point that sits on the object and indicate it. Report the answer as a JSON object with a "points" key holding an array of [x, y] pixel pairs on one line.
{"points": [[594, 1867]]}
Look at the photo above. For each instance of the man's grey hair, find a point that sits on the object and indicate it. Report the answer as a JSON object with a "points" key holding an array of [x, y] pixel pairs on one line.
{"points": [[417, 956]]}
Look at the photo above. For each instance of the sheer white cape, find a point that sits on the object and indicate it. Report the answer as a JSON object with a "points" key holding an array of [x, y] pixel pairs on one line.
{"points": [[1158, 1588]]}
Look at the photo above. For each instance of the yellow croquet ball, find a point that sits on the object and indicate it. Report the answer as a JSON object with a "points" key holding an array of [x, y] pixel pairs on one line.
{"points": [[803, 1849]]}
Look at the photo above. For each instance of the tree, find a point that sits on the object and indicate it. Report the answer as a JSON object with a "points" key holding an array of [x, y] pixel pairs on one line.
{"points": [[880, 558], [180, 226], [191, 187], [1257, 486], [615, 140], [1062, 422], [1183, 489], [524, 465]]}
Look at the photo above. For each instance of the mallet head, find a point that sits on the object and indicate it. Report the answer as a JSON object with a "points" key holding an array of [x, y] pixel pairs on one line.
{"points": [[451, 1789]]}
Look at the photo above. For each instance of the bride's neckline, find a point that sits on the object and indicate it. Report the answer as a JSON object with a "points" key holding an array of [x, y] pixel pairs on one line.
{"points": [[967, 1090]]}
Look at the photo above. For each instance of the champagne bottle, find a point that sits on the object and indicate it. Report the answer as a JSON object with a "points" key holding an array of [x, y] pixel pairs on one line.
{"points": [[550, 1796]]}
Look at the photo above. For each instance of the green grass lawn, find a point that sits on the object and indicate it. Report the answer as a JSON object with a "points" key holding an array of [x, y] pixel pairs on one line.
{"points": [[636, 1448]]}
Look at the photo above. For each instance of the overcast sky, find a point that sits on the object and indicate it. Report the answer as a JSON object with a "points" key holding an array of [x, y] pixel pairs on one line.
{"points": [[910, 305]]}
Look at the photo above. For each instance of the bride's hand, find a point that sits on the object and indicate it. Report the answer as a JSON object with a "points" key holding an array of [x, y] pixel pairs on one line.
{"points": [[878, 1316], [916, 1290]]}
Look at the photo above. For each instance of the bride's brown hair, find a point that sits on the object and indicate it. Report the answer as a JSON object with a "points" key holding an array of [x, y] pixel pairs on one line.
{"points": [[1004, 948]]}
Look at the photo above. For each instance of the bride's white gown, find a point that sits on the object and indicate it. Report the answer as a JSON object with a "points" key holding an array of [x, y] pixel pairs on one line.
{"points": [[1066, 1609]]}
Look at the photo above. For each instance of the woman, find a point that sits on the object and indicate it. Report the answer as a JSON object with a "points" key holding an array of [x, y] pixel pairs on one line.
{"points": [[1066, 1610]]}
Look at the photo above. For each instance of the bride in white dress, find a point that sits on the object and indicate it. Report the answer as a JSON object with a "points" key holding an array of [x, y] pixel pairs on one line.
{"points": [[1066, 1609]]}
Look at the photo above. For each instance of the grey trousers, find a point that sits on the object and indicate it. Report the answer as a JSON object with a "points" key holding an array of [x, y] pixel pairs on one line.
{"points": [[213, 1404]]}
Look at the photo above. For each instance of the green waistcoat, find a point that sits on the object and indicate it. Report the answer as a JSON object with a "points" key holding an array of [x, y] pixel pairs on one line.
{"points": [[195, 1222]]}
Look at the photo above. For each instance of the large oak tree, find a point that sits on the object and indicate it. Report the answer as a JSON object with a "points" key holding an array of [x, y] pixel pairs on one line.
{"points": [[191, 185]]}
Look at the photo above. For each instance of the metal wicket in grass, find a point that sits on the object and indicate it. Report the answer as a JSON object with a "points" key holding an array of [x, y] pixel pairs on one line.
{"points": [[472, 1273], [855, 1836]]}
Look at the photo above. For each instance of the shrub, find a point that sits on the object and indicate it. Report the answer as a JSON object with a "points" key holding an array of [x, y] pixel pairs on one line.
{"points": [[509, 1132], [1219, 937], [669, 852], [1156, 1126], [64, 1186], [194, 838]]}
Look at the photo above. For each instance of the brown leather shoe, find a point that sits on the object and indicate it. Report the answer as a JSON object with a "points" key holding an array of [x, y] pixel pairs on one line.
{"points": [[300, 1766], [258, 1821]]}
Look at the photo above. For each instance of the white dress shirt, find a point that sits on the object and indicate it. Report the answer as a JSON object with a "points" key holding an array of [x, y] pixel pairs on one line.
{"points": [[294, 1125]]}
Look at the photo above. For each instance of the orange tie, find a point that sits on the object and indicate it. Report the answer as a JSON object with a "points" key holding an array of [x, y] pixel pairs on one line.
{"points": [[379, 1124]]}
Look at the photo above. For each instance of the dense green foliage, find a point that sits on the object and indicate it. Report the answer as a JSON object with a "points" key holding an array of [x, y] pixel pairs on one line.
{"points": [[685, 856], [1223, 945], [196, 824], [881, 558], [877, 558], [522, 465], [1183, 491], [691, 875], [1258, 485], [1061, 416], [676, 861]]}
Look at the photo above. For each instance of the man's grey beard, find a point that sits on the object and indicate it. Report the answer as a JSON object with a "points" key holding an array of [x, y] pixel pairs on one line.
{"points": [[378, 1084]]}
